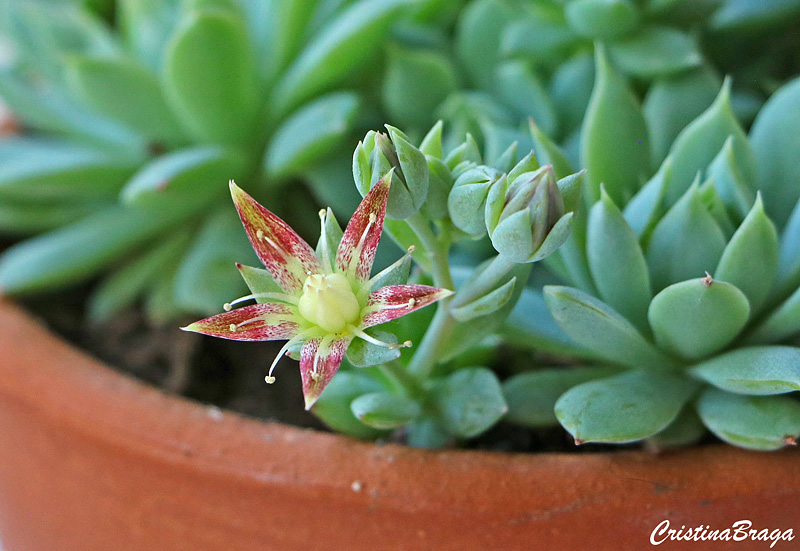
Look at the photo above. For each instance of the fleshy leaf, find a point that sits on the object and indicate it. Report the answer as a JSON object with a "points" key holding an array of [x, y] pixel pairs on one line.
{"points": [[750, 260], [284, 253], [751, 422], [469, 401], [724, 172], [655, 51], [259, 322], [782, 323], [597, 327], [698, 317], [673, 102], [698, 144], [615, 148], [613, 250], [644, 210], [310, 133], [686, 242], [685, 430], [209, 77], [757, 370], [487, 304], [385, 410], [477, 41], [623, 408], [775, 138], [532, 396], [333, 406], [601, 19]]}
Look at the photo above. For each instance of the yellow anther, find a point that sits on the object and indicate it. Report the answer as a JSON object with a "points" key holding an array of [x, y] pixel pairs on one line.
{"points": [[269, 379], [260, 234], [232, 328], [227, 306], [411, 249], [412, 302]]}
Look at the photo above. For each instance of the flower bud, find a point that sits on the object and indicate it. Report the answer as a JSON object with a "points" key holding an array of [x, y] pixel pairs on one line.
{"points": [[526, 217], [377, 154], [467, 200]]}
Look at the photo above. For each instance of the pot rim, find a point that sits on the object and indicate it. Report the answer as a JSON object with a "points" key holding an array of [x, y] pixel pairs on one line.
{"points": [[75, 392]]}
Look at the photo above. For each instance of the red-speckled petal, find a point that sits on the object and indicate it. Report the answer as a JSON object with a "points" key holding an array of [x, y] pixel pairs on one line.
{"points": [[320, 359], [284, 253], [394, 301], [260, 322], [360, 240]]}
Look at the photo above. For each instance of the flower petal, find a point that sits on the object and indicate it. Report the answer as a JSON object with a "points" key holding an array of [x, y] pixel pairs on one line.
{"points": [[320, 359], [388, 303], [269, 321], [284, 253], [360, 240]]}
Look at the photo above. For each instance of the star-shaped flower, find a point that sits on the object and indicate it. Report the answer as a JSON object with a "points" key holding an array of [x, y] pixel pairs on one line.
{"points": [[322, 302]]}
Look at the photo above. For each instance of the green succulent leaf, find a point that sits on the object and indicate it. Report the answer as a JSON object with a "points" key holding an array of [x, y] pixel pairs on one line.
{"points": [[753, 16], [427, 432], [571, 89], [125, 285], [469, 401], [160, 307], [361, 353], [697, 145], [416, 83], [82, 249], [207, 277], [623, 408], [345, 43], [672, 102], [333, 405], [644, 210], [751, 422], [478, 35], [42, 169], [685, 430], [789, 254], [53, 111], [532, 396], [775, 138], [209, 77], [724, 172], [600, 329], [617, 263], [258, 280], [602, 19], [615, 148], [686, 242], [782, 323], [698, 317], [522, 89], [716, 208], [125, 91], [548, 153], [750, 260], [757, 370], [544, 34], [21, 217], [384, 410], [290, 28], [199, 170], [310, 133], [654, 52], [147, 26], [487, 304]]}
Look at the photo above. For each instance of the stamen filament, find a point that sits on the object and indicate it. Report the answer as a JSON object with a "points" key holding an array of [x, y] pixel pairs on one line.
{"points": [[356, 258], [372, 340], [284, 349], [275, 296]]}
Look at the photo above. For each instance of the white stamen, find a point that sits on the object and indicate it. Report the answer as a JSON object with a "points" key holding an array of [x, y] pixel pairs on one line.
{"points": [[275, 296], [372, 340], [394, 266], [284, 349], [356, 258], [324, 251]]}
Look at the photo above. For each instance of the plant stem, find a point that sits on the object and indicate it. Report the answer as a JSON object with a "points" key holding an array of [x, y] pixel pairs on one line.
{"points": [[400, 375], [438, 249]]}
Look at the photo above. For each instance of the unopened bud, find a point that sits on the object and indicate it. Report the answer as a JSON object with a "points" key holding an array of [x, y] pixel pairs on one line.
{"points": [[467, 200]]}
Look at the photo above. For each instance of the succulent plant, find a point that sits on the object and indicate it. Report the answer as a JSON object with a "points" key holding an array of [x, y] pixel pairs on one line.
{"points": [[510, 60], [130, 131], [682, 296]]}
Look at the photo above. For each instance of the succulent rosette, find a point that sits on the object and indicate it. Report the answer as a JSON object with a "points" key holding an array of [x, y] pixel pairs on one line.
{"points": [[319, 301]]}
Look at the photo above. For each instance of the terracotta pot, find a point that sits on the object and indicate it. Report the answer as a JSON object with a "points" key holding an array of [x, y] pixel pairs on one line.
{"points": [[93, 461]]}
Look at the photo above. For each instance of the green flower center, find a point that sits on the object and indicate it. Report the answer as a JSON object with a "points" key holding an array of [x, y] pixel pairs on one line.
{"points": [[329, 302]]}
